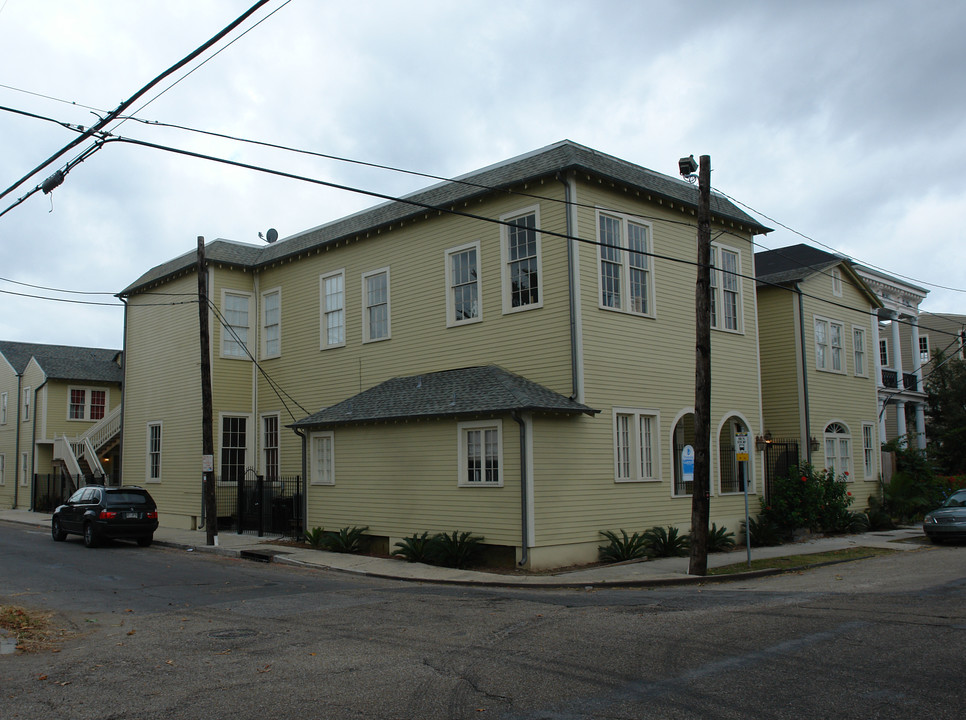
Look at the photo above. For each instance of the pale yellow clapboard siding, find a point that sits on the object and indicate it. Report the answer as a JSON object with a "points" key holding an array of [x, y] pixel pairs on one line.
{"points": [[780, 375]]}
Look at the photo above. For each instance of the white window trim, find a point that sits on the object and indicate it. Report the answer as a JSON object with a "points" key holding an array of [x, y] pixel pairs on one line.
{"points": [[625, 264], [635, 460], [3, 408], [718, 291], [829, 322], [264, 327], [365, 306], [461, 429], [451, 320], [219, 432], [226, 335], [865, 353], [147, 453], [838, 437], [924, 339], [26, 404], [263, 465], [87, 402], [324, 343], [871, 474], [884, 345], [505, 260], [313, 470], [836, 282]]}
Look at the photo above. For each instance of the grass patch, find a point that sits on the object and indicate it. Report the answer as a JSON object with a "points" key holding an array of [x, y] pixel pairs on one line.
{"points": [[790, 562], [32, 629]]}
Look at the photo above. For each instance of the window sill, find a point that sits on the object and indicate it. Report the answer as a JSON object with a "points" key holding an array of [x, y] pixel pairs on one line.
{"points": [[631, 313]]}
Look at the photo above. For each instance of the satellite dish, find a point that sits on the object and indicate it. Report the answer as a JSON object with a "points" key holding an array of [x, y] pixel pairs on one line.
{"points": [[272, 235]]}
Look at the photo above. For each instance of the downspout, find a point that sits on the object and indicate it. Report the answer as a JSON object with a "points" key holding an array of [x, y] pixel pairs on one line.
{"points": [[120, 441], [16, 460], [524, 495], [801, 331], [33, 441], [304, 509], [572, 289]]}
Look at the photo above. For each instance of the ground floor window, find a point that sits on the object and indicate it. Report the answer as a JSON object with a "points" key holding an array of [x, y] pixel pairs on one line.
{"points": [[322, 459], [234, 446], [733, 474], [868, 450], [154, 452], [636, 435], [838, 450], [682, 437], [480, 453], [270, 447]]}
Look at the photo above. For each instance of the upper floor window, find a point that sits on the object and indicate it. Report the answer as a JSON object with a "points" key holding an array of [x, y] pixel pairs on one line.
{"points": [[375, 301], [858, 350], [235, 324], [3, 408], [626, 281], [521, 260], [86, 404], [26, 404], [463, 285], [923, 349], [272, 323], [828, 345], [725, 288], [836, 282], [332, 292], [884, 353]]}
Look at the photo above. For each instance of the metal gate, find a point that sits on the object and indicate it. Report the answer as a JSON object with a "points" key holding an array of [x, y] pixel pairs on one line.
{"points": [[781, 457], [261, 506]]}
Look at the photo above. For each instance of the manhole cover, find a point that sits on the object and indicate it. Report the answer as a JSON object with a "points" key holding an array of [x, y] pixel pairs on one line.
{"points": [[232, 634]]}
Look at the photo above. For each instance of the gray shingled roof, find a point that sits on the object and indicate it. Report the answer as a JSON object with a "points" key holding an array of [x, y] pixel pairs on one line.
{"points": [[451, 393], [559, 157], [794, 263], [64, 362]]}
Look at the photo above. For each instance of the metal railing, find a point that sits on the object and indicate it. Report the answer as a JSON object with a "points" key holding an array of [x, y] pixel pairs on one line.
{"points": [[261, 506]]}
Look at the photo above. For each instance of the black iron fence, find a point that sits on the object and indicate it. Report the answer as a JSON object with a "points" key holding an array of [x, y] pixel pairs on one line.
{"points": [[781, 457], [261, 506], [53, 489]]}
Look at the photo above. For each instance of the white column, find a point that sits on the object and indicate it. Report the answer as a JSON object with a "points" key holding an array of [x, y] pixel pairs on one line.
{"points": [[917, 360], [896, 350], [901, 421], [882, 420], [877, 359], [920, 426]]}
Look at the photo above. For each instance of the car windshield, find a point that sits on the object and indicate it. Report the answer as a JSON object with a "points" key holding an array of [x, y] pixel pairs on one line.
{"points": [[128, 497], [957, 499]]}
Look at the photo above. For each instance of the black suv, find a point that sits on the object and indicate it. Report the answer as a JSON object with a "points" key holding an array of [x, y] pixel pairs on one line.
{"points": [[99, 512]]}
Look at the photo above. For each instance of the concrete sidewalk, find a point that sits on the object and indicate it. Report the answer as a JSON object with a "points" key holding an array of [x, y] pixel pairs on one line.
{"points": [[662, 571]]}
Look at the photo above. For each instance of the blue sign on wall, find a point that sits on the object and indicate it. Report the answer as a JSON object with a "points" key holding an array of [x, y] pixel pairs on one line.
{"points": [[687, 463]]}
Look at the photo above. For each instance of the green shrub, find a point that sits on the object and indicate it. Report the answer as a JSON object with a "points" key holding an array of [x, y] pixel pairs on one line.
{"points": [[808, 498], [720, 540], [621, 548], [877, 517], [346, 540], [416, 548], [456, 550], [763, 531], [316, 538], [668, 542]]}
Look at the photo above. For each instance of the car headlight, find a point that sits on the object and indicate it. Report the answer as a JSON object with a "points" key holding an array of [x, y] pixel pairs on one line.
{"points": [[929, 518]]}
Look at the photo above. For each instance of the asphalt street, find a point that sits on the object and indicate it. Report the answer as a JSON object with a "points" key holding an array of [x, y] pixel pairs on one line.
{"points": [[165, 633]]}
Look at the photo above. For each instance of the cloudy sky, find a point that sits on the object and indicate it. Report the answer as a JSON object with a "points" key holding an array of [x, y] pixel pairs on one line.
{"points": [[844, 121]]}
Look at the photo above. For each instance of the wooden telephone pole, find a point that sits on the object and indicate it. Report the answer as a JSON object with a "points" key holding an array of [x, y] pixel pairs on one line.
{"points": [[207, 442], [701, 487]]}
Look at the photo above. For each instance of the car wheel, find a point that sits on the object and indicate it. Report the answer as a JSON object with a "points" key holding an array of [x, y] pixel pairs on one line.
{"points": [[56, 531], [90, 538], [145, 541], [935, 540]]}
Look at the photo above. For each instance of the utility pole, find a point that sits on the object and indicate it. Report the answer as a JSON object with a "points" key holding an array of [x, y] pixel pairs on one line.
{"points": [[207, 443], [701, 487]]}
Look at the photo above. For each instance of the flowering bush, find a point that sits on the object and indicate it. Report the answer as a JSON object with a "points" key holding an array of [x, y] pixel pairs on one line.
{"points": [[809, 498]]}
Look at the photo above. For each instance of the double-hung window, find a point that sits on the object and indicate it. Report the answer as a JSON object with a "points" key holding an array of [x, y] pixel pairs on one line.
{"points": [[725, 288], [858, 350], [322, 458], [270, 447], [463, 285], [636, 435], [272, 323], [884, 353], [829, 353], [868, 450], [521, 260], [26, 404], [235, 324], [154, 452], [234, 447], [3, 467], [375, 303], [923, 349], [3, 408], [625, 264], [86, 404], [332, 301], [480, 453], [836, 282]]}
